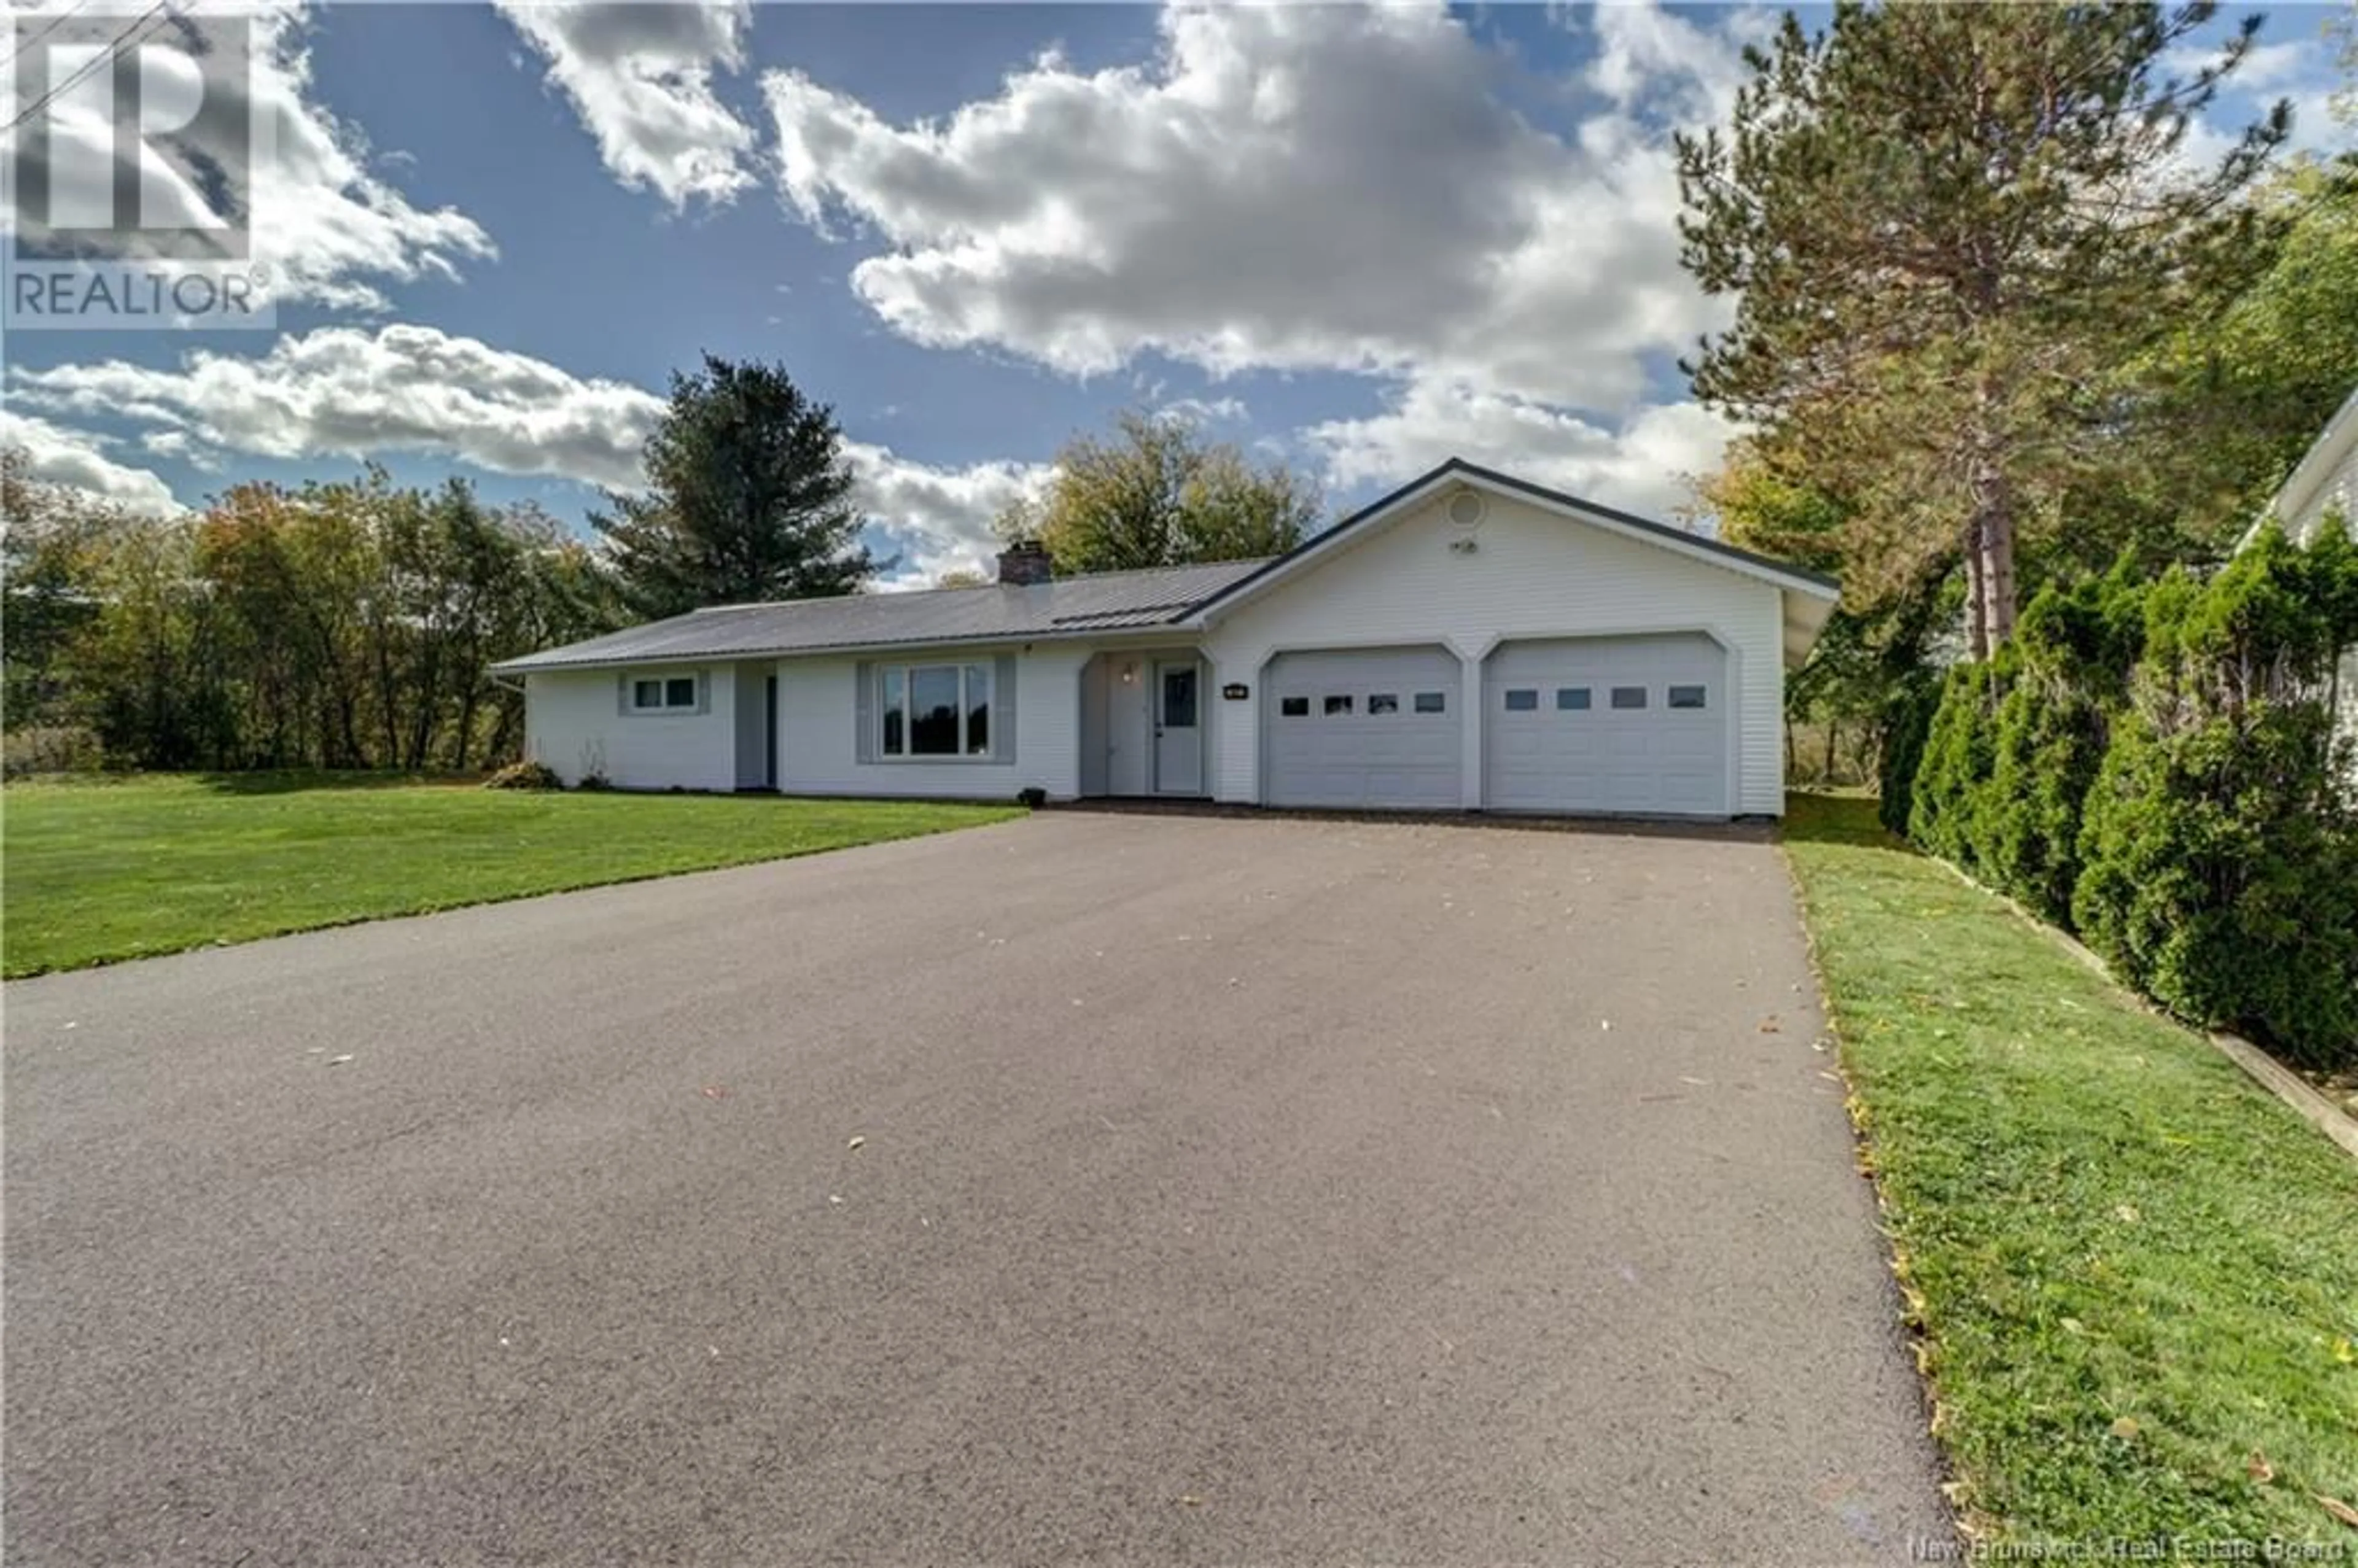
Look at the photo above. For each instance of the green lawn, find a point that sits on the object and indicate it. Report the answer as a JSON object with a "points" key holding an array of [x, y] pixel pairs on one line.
{"points": [[2136, 1274], [121, 869]]}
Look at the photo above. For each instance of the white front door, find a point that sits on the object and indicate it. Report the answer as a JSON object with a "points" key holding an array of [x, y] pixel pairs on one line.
{"points": [[1178, 732]]}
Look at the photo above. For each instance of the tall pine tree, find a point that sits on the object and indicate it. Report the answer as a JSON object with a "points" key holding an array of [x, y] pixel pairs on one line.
{"points": [[1943, 223], [748, 498]]}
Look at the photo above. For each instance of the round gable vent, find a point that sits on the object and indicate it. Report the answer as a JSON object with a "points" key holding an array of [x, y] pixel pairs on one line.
{"points": [[1466, 507]]}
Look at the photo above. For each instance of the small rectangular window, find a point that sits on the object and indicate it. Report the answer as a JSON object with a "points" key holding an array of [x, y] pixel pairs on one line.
{"points": [[1572, 700], [1433, 702], [1686, 697], [1522, 699], [1383, 702], [1629, 697], [1294, 707], [663, 694], [1335, 704]]}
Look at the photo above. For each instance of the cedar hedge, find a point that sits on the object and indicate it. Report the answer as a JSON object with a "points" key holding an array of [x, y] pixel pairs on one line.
{"points": [[2153, 766]]}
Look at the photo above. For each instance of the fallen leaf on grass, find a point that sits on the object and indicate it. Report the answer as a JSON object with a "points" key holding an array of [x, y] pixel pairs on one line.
{"points": [[2126, 1213], [2259, 1468], [2339, 1510], [2126, 1428]]}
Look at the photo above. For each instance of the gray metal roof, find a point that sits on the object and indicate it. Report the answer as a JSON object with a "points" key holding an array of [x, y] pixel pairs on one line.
{"points": [[1065, 607]]}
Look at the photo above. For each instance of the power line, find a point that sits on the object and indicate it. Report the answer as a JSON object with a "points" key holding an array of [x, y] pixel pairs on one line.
{"points": [[152, 19], [60, 20]]}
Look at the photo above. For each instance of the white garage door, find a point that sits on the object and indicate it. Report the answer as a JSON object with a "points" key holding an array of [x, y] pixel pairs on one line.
{"points": [[1364, 727], [1607, 724]]}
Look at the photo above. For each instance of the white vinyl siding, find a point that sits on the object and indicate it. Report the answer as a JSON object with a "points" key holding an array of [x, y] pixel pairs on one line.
{"points": [[578, 722], [1533, 573]]}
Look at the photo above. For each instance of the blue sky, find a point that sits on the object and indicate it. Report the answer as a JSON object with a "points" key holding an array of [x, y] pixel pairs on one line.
{"points": [[1357, 241]]}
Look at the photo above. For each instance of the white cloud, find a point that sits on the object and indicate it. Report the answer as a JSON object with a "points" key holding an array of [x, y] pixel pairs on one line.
{"points": [[937, 519], [1641, 465], [347, 392], [322, 222], [1289, 187], [2278, 63], [76, 459], [1209, 410], [640, 75], [343, 391]]}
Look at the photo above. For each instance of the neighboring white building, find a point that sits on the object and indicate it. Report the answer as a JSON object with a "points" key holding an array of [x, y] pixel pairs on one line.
{"points": [[1470, 641], [2324, 484]]}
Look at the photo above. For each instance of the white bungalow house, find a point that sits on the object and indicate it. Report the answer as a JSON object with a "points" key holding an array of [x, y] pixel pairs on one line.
{"points": [[1469, 641], [2325, 484]]}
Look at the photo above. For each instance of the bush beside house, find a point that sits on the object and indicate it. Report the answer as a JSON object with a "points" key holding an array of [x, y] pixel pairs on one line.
{"points": [[2155, 767]]}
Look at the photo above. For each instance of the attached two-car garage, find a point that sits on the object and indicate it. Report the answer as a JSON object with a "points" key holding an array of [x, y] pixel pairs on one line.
{"points": [[1634, 725]]}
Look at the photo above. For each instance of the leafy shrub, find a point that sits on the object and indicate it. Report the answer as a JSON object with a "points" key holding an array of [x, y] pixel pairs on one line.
{"points": [[525, 775], [2219, 840], [50, 748]]}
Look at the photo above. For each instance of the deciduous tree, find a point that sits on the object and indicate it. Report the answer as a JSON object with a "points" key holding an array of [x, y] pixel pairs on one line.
{"points": [[1155, 493]]}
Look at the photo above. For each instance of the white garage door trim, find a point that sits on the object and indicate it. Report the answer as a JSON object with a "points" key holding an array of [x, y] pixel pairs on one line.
{"points": [[1357, 728], [1593, 726]]}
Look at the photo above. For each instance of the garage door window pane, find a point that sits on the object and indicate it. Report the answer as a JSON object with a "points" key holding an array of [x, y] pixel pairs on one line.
{"points": [[1432, 702], [1629, 697], [1686, 697], [1522, 700], [1572, 700], [1383, 702], [1335, 704], [1294, 707]]}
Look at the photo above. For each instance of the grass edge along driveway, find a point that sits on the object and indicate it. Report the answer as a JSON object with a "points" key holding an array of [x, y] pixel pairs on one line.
{"points": [[2135, 1273], [106, 869]]}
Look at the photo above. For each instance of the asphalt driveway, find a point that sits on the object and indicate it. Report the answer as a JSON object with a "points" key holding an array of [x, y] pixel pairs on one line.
{"points": [[1243, 1192]]}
